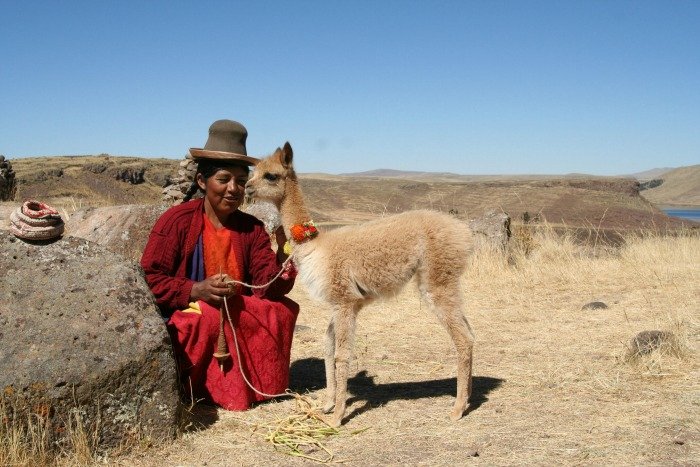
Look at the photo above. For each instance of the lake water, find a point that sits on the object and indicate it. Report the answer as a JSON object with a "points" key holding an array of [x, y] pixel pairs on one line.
{"points": [[688, 214]]}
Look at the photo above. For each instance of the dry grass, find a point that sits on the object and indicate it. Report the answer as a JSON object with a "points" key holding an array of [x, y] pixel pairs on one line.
{"points": [[27, 442], [553, 382], [31, 439], [24, 443]]}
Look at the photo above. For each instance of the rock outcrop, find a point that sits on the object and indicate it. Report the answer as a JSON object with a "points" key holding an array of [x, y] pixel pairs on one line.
{"points": [[8, 183], [133, 175], [80, 334], [121, 229], [492, 230]]}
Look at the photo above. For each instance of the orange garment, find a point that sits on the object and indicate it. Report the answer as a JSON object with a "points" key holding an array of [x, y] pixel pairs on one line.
{"points": [[219, 257]]}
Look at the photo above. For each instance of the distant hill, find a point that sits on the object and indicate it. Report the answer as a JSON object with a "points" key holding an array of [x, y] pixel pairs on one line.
{"points": [[416, 175], [585, 202], [680, 187], [652, 173], [391, 173]]}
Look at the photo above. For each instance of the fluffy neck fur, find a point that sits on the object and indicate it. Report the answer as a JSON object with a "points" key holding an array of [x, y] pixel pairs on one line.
{"points": [[292, 208]]}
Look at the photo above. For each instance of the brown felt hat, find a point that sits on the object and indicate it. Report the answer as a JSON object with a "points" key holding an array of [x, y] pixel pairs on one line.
{"points": [[226, 142]]}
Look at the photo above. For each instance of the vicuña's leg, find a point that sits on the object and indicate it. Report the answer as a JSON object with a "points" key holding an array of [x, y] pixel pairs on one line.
{"points": [[344, 341], [329, 357], [447, 305]]}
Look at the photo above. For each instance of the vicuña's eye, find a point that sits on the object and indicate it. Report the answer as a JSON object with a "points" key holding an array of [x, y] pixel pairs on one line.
{"points": [[271, 177]]}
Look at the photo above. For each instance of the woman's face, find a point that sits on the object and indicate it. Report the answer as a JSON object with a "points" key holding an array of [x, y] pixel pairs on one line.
{"points": [[224, 190]]}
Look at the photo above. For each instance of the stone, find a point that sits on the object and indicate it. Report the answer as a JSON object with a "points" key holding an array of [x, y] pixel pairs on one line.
{"points": [[646, 342], [594, 306], [96, 168], [160, 179], [121, 229], [81, 334], [174, 192], [8, 181], [492, 230], [133, 175]]}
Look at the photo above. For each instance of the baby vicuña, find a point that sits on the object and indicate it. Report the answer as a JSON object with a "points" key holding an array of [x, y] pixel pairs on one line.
{"points": [[350, 266]]}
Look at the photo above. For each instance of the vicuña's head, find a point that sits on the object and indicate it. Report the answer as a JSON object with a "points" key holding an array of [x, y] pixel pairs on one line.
{"points": [[271, 176]]}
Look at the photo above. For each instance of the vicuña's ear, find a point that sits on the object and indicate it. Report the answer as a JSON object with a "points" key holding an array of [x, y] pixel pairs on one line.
{"points": [[287, 155]]}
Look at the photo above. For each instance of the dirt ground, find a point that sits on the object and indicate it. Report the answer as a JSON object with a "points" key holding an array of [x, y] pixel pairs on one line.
{"points": [[552, 384]]}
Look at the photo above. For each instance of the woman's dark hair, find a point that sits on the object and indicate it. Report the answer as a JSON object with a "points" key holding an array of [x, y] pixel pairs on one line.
{"points": [[207, 168]]}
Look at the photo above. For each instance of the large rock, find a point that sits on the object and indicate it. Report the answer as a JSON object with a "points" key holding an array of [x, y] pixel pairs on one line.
{"points": [[121, 229], [133, 175], [124, 229], [491, 231], [80, 334], [8, 181]]}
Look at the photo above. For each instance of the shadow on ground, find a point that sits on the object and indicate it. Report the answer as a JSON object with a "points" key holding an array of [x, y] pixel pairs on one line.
{"points": [[309, 375], [196, 417]]}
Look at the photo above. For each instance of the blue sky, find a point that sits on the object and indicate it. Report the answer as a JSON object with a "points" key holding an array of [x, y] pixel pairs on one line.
{"points": [[490, 87]]}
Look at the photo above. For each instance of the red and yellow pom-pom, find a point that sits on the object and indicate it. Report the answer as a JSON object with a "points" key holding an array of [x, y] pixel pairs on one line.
{"points": [[297, 232], [302, 232]]}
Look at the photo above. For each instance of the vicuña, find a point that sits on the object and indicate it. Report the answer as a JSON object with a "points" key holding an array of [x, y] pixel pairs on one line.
{"points": [[350, 266]]}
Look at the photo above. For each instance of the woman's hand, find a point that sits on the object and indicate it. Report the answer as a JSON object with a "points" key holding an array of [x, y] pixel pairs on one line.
{"points": [[212, 290]]}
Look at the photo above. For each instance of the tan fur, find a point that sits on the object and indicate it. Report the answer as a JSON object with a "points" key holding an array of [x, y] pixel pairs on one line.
{"points": [[351, 266]]}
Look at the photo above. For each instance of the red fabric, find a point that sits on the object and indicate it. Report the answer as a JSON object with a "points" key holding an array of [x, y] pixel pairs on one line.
{"points": [[264, 329], [264, 318], [168, 254], [219, 256]]}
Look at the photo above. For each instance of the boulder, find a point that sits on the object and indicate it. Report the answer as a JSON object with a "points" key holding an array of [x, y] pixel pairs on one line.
{"points": [[124, 229], [646, 342], [133, 175], [96, 168], [8, 182], [121, 229], [594, 306], [80, 333], [492, 230]]}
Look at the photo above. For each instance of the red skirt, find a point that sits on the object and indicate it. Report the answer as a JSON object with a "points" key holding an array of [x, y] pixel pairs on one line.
{"points": [[264, 330]]}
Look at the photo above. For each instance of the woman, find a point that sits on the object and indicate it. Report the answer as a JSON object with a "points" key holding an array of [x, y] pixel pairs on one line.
{"points": [[196, 254]]}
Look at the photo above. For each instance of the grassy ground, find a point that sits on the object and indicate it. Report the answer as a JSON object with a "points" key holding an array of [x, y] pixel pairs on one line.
{"points": [[554, 384]]}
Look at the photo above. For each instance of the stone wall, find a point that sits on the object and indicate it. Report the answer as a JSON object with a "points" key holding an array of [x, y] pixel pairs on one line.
{"points": [[8, 183], [175, 191]]}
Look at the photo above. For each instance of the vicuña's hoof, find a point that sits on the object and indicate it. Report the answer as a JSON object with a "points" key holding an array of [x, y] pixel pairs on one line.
{"points": [[456, 415], [336, 421], [328, 407]]}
